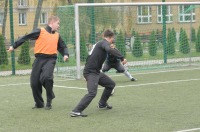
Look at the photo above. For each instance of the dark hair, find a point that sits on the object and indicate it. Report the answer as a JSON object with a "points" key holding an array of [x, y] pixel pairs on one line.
{"points": [[108, 33]]}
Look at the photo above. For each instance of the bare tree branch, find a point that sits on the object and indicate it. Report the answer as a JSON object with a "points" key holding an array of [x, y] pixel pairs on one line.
{"points": [[70, 2], [4, 18], [37, 14]]}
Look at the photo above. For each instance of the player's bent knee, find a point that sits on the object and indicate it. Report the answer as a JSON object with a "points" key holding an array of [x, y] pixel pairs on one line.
{"points": [[46, 79], [92, 94], [112, 85]]}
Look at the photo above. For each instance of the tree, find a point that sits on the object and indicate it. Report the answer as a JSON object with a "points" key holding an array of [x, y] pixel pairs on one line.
{"points": [[197, 45], [69, 2], [193, 35], [91, 14], [159, 36], [64, 2], [3, 52], [174, 36], [115, 32], [120, 43], [152, 44], [184, 44], [170, 42], [137, 47], [37, 14], [24, 56], [106, 19], [90, 39], [55, 9], [4, 18], [133, 32], [83, 49]]}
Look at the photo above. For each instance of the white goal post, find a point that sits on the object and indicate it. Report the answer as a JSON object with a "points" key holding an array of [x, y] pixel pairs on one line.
{"points": [[77, 28]]}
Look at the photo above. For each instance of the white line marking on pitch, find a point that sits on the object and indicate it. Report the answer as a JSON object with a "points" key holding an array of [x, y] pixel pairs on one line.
{"points": [[69, 87], [64, 80], [135, 85], [189, 130], [14, 84], [158, 72], [145, 84]]}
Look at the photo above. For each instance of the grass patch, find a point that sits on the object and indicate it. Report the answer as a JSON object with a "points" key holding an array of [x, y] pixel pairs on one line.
{"points": [[159, 107]]}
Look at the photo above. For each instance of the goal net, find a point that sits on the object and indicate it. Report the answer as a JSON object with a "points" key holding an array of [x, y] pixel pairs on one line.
{"points": [[150, 35]]}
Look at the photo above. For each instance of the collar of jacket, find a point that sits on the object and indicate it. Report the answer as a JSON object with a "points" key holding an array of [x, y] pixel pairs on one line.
{"points": [[49, 29]]}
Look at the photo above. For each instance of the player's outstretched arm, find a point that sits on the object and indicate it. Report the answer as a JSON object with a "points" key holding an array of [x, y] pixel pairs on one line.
{"points": [[31, 36]]}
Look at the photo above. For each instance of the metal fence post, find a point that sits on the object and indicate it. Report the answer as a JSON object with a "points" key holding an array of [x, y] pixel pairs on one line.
{"points": [[164, 32], [12, 36]]}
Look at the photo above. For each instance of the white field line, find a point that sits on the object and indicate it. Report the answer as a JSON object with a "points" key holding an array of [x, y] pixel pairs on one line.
{"points": [[189, 130], [156, 83], [69, 87], [135, 85], [158, 72], [116, 75], [16, 84], [62, 80]]}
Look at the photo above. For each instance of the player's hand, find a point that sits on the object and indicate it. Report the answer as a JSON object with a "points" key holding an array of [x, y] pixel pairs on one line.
{"points": [[124, 61], [65, 58], [10, 49]]}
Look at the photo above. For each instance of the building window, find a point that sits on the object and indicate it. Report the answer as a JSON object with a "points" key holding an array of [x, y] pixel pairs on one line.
{"points": [[43, 18], [22, 18], [169, 15], [1, 18], [22, 2], [186, 13], [144, 14]]}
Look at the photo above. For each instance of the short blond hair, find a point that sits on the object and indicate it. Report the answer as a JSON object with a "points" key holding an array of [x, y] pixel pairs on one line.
{"points": [[53, 19]]}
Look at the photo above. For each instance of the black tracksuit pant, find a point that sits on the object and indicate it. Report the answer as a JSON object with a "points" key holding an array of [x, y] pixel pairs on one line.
{"points": [[42, 75], [93, 80], [117, 65]]}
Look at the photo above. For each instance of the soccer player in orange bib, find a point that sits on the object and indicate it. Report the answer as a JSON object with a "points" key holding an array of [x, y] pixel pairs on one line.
{"points": [[48, 42]]}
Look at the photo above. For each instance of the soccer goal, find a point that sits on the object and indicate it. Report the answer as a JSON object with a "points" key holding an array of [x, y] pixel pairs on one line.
{"points": [[146, 38]]}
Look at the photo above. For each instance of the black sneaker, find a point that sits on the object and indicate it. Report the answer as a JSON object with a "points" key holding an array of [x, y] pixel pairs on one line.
{"points": [[37, 107], [106, 106], [133, 79], [77, 114], [48, 106]]}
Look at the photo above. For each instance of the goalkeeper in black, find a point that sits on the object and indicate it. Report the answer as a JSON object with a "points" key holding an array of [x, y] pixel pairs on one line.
{"points": [[114, 62], [94, 77]]}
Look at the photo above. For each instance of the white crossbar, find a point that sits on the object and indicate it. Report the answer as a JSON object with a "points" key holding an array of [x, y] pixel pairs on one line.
{"points": [[138, 4]]}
